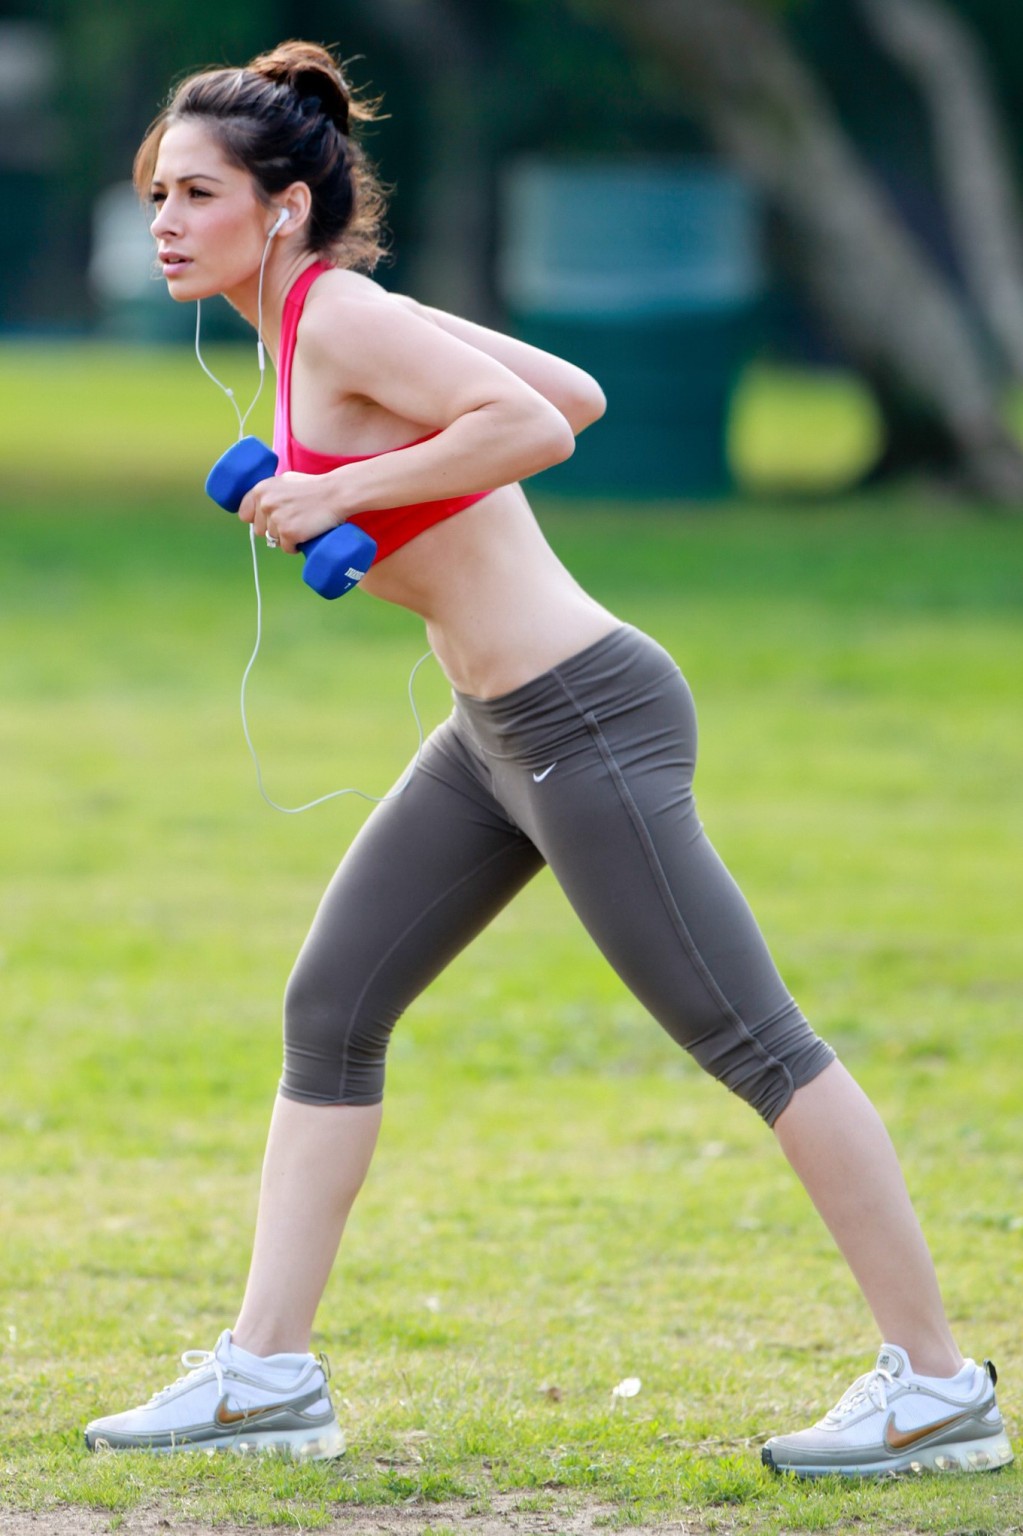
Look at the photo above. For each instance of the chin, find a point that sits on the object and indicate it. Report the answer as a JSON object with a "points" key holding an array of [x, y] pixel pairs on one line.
{"points": [[185, 290]]}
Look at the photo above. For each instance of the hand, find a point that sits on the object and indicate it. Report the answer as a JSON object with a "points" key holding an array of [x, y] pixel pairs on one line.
{"points": [[292, 508]]}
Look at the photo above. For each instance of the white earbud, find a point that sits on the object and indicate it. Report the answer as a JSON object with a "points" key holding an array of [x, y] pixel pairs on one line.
{"points": [[282, 219]]}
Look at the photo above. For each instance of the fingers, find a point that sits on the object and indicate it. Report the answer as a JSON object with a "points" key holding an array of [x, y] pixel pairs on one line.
{"points": [[250, 510], [289, 508], [257, 507]]}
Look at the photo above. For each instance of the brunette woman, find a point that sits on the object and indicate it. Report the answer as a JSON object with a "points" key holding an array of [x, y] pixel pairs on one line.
{"points": [[571, 743]]}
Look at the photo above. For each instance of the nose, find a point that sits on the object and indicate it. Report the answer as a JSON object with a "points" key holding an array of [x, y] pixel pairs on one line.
{"points": [[163, 222]]}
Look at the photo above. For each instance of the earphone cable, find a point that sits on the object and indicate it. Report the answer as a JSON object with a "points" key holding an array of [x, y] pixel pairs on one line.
{"points": [[260, 349], [295, 810], [291, 810]]}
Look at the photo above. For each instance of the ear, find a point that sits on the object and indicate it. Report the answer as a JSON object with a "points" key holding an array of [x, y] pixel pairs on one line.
{"points": [[297, 200]]}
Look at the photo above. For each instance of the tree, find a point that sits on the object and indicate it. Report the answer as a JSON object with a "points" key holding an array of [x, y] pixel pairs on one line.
{"points": [[874, 286], [939, 52], [446, 39]]}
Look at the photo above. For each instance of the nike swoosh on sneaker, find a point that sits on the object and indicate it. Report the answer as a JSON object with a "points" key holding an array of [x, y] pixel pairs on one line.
{"points": [[225, 1415], [899, 1439], [538, 778]]}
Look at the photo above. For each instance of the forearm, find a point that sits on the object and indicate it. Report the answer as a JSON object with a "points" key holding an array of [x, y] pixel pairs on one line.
{"points": [[569, 389], [499, 430], [481, 450]]}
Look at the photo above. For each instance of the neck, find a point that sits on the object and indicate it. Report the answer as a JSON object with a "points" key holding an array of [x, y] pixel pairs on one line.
{"points": [[279, 273]]}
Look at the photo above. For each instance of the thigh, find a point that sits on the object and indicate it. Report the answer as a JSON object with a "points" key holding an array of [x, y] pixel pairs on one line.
{"points": [[621, 833], [425, 874]]}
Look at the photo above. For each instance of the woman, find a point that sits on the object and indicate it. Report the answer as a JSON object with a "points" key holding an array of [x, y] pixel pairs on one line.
{"points": [[571, 743]]}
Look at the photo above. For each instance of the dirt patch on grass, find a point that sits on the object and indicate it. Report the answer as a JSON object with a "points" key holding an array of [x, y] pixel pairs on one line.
{"points": [[505, 1517]]}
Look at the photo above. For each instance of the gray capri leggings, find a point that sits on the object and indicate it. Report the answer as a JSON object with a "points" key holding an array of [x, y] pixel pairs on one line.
{"points": [[588, 769]]}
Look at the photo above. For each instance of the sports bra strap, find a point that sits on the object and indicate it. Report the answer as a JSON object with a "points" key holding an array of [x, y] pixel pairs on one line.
{"points": [[294, 303]]}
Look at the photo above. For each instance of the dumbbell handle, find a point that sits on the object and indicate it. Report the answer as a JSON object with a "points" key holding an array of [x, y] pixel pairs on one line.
{"points": [[335, 561]]}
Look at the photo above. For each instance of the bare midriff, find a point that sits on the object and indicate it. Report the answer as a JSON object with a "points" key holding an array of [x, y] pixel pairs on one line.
{"points": [[499, 606]]}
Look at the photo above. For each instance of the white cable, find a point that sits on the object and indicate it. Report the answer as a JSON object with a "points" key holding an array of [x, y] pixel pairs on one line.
{"points": [[295, 810], [291, 810], [260, 349]]}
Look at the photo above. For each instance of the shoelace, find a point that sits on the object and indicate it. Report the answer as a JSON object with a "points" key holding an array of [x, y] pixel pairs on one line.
{"points": [[872, 1388], [193, 1360]]}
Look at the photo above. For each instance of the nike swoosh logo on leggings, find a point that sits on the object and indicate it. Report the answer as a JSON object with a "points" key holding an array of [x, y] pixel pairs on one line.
{"points": [[538, 778]]}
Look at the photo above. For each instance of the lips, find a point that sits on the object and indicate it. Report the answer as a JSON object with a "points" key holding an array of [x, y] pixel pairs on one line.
{"points": [[172, 262]]}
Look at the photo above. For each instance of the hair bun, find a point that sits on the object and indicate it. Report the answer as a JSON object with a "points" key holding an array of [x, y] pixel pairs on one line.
{"points": [[313, 74], [283, 119]]}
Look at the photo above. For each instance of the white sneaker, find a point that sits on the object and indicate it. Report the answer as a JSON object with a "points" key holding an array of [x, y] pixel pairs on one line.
{"points": [[231, 1400], [891, 1420]]}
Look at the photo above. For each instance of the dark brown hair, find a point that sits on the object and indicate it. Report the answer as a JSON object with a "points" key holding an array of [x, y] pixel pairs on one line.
{"points": [[286, 117]]}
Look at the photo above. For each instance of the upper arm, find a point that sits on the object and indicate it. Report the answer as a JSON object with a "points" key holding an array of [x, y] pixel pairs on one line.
{"points": [[379, 348], [571, 390]]}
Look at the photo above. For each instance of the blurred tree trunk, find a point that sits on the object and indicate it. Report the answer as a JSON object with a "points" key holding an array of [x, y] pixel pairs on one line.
{"points": [[451, 266], [881, 299], [935, 47]]}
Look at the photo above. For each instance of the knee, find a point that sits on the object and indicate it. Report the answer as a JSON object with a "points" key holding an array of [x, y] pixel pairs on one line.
{"points": [[335, 1041], [764, 1065]]}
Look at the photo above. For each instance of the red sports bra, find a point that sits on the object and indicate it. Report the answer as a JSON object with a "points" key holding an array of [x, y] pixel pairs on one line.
{"points": [[391, 527]]}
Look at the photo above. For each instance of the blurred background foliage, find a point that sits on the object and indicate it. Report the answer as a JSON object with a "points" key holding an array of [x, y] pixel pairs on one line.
{"points": [[883, 162]]}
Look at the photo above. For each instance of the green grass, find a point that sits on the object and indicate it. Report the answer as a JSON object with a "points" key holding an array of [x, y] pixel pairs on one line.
{"points": [[560, 1199]]}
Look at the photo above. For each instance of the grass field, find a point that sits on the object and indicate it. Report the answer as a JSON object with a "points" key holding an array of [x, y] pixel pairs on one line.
{"points": [[560, 1199]]}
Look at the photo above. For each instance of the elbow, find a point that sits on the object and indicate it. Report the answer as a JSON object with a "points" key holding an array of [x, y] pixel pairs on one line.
{"points": [[580, 399], [559, 439], [587, 405], [545, 437], [532, 434]]}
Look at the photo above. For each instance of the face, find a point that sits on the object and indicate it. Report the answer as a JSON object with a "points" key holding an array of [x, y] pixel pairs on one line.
{"points": [[210, 228]]}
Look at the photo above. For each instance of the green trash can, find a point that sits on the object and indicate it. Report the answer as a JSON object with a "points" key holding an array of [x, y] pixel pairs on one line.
{"points": [[649, 275]]}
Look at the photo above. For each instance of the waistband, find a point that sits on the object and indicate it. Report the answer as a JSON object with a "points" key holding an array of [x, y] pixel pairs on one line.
{"points": [[617, 674]]}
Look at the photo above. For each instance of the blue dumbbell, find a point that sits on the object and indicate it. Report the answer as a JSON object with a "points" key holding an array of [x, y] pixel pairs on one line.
{"points": [[335, 561]]}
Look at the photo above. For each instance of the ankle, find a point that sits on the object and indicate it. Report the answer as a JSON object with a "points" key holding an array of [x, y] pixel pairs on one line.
{"points": [[938, 1360], [931, 1371], [265, 1339]]}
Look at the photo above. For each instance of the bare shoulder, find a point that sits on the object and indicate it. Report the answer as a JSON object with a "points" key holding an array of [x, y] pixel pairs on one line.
{"points": [[344, 304]]}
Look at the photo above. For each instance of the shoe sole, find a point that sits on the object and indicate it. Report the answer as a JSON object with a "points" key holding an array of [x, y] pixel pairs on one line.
{"points": [[988, 1454], [297, 1444]]}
